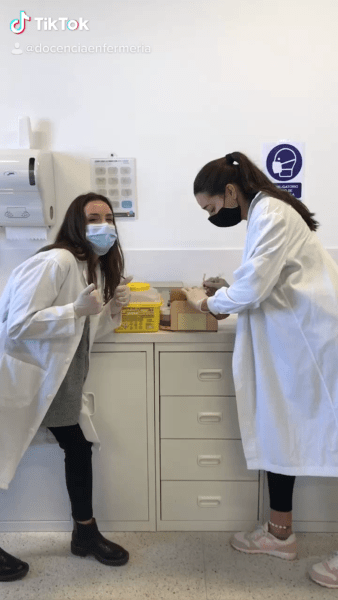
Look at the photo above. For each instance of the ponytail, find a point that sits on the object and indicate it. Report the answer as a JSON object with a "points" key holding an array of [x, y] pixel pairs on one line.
{"points": [[215, 176]]}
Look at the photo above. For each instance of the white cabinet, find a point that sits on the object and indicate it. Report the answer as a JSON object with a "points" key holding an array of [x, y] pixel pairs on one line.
{"points": [[202, 479], [120, 387], [171, 454], [121, 379], [37, 497]]}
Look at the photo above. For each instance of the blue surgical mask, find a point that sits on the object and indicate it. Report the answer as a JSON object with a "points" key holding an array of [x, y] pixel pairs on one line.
{"points": [[102, 237]]}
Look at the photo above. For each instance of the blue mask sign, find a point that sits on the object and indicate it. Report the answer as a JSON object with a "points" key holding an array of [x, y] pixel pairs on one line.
{"points": [[283, 164]]}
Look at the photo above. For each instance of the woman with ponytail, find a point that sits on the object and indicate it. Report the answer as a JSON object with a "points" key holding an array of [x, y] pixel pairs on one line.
{"points": [[286, 353]]}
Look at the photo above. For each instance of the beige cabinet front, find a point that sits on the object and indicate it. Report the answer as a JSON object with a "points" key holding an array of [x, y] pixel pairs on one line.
{"points": [[204, 481], [196, 373], [199, 417], [204, 460], [118, 384], [209, 501]]}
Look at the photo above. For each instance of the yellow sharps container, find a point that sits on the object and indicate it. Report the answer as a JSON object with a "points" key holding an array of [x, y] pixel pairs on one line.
{"points": [[142, 315]]}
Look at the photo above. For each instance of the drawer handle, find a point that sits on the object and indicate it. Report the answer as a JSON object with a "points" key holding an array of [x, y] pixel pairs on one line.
{"points": [[208, 461], [208, 501], [204, 417], [209, 374]]}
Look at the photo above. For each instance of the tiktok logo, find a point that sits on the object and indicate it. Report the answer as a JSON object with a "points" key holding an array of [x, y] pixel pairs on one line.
{"points": [[19, 25], [49, 24]]}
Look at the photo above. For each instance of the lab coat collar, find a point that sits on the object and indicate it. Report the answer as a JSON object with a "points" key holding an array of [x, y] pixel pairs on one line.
{"points": [[253, 203]]}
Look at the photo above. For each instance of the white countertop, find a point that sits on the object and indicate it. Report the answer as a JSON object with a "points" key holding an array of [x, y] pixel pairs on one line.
{"points": [[226, 333]]}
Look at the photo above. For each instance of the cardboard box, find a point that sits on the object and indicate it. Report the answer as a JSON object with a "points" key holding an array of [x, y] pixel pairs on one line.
{"points": [[186, 318]]}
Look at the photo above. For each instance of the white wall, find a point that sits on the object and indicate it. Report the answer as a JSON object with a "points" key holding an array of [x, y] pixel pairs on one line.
{"points": [[221, 76]]}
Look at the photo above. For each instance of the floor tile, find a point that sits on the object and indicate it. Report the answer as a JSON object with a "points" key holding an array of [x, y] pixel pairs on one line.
{"points": [[161, 566], [234, 575]]}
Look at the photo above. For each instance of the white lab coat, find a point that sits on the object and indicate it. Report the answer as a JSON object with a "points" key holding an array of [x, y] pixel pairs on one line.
{"points": [[39, 335], [285, 361]]}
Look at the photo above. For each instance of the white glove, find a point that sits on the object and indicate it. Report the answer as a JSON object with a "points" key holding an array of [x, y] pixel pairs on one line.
{"points": [[121, 297], [195, 297], [89, 302], [213, 284]]}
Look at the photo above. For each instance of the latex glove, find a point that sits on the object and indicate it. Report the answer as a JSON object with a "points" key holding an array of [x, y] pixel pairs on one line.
{"points": [[88, 302], [213, 284], [121, 297], [195, 297]]}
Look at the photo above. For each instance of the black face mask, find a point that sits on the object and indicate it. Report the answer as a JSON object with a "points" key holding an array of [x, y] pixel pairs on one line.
{"points": [[226, 217]]}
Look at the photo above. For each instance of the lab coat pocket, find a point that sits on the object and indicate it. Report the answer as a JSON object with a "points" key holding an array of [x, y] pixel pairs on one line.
{"points": [[85, 421], [19, 381]]}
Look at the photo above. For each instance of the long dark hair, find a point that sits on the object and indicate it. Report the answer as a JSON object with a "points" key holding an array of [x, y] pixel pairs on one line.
{"points": [[215, 176], [72, 237]]}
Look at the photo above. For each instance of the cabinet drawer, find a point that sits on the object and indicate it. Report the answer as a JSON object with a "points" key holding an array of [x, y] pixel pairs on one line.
{"points": [[196, 373], [209, 500], [219, 460], [199, 417]]}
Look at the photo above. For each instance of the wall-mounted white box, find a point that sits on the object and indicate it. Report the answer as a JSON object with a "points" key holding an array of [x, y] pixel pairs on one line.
{"points": [[115, 178]]}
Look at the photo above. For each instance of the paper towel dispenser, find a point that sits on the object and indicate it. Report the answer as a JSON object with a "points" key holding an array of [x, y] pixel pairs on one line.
{"points": [[27, 190]]}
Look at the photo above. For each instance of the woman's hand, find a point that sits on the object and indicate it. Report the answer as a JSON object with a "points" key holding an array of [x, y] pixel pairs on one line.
{"points": [[195, 297], [121, 297], [88, 302], [213, 284]]}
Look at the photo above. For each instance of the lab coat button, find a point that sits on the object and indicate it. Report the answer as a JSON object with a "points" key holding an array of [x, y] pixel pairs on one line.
{"points": [[49, 396], [67, 360]]}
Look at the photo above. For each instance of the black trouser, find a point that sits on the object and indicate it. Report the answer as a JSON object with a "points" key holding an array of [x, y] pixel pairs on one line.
{"points": [[281, 490], [78, 463], [79, 476]]}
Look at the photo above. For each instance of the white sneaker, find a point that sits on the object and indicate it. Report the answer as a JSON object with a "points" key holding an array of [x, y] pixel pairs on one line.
{"points": [[261, 541], [326, 572]]}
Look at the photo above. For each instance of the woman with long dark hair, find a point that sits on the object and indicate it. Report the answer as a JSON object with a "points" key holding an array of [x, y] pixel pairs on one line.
{"points": [[54, 306], [286, 352]]}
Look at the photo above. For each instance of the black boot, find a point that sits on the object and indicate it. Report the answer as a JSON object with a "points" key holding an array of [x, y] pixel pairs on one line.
{"points": [[86, 539], [11, 568]]}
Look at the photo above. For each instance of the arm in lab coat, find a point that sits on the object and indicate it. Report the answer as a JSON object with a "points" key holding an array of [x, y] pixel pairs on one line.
{"points": [[31, 314], [267, 249]]}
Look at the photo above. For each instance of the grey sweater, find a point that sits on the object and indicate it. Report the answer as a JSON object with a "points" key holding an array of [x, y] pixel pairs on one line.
{"points": [[65, 408]]}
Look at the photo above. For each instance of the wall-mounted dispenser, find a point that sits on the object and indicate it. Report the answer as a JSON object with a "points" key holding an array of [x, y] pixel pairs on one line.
{"points": [[27, 192]]}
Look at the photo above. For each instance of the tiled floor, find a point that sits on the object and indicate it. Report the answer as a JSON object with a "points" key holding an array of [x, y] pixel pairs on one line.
{"points": [[180, 565]]}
